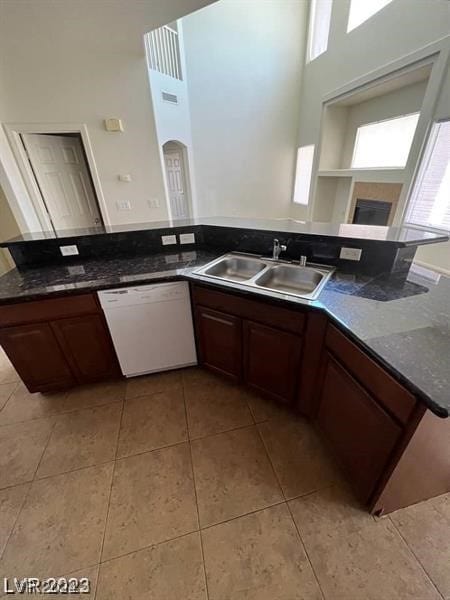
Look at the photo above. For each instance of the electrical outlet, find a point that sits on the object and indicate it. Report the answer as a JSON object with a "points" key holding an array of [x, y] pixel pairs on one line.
{"points": [[69, 250], [350, 253], [168, 240], [126, 178], [187, 238]]}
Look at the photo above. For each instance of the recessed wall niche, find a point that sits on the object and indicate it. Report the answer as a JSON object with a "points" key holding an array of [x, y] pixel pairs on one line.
{"points": [[337, 182]]}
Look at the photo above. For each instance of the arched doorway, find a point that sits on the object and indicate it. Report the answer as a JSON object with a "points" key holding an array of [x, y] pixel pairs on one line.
{"points": [[177, 179]]}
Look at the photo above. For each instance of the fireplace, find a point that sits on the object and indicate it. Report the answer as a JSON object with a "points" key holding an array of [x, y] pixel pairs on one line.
{"points": [[372, 212]]}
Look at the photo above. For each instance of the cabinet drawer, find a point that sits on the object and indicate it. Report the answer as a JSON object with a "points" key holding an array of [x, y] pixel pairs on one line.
{"points": [[254, 310], [362, 435], [387, 391], [47, 310]]}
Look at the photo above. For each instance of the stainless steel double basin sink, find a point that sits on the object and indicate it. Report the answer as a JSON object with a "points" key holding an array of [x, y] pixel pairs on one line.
{"points": [[268, 274]]}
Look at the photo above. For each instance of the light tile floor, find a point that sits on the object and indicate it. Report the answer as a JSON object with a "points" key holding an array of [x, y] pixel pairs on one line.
{"points": [[181, 486]]}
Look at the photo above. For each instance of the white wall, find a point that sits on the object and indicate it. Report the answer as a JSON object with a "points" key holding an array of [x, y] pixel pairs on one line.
{"points": [[244, 62], [400, 28], [79, 62], [8, 229], [173, 121]]}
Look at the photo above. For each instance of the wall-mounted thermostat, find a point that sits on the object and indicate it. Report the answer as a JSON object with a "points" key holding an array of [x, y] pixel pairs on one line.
{"points": [[113, 125]]}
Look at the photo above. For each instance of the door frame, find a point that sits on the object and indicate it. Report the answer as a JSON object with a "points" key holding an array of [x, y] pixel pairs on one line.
{"points": [[183, 150], [14, 131]]}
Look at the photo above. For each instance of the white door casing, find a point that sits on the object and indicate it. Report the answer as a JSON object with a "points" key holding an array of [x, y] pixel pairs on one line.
{"points": [[61, 171], [176, 184]]}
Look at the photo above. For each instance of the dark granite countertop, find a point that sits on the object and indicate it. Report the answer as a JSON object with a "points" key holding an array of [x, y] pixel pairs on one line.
{"points": [[398, 236], [403, 324]]}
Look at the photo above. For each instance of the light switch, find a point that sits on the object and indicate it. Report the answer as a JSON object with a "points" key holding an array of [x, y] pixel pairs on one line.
{"points": [[113, 125], [124, 205]]}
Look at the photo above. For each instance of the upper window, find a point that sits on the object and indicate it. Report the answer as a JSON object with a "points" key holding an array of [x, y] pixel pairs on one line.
{"points": [[319, 27], [303, 174], [429, 204], [361, 10], [384, 144]]}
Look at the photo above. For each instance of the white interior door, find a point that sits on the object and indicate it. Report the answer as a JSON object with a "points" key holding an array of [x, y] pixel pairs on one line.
{"points": [[176, 184], [62, 174]]}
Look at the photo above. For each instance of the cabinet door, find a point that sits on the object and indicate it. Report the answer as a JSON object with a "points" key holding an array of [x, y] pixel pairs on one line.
{"points": [[272, 361], [361, 433], [220, 341], [37, 357], [87, 345]]}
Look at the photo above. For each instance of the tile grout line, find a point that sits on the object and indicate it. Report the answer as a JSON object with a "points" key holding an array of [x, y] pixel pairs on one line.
{"points": [[302, 543], [195, 489], [110, 494], [306, 551], [57, 414], [30, 485], [416, 558]]}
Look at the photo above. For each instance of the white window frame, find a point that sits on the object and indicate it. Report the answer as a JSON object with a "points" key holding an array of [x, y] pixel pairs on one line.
{"points": [[311, 30], [419, 172], [303, 177], [352, 3], [380, 167]]}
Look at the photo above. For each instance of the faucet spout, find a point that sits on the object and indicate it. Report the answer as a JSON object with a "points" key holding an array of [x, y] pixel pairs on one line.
{"points": [[277, 249]]}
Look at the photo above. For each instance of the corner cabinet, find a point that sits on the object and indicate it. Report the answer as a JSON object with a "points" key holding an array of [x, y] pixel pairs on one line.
{"points": [[394, 451], [361, 433], [250, 341], [57, 343]]}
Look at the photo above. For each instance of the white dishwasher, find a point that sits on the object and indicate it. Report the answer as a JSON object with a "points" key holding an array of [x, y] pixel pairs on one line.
{"points": [[151, 327]]}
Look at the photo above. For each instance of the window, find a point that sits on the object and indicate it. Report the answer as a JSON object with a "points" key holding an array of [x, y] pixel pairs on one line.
{"points": [[361, 10], [319, 27], [384, 144], [429, 203], [305, 157]]}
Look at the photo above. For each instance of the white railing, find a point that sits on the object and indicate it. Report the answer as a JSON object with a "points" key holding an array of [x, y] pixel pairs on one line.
{"points": [[164, 51]]}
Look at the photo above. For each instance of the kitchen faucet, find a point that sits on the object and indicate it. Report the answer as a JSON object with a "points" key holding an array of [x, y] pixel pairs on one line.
{"points": [[277, 249]]}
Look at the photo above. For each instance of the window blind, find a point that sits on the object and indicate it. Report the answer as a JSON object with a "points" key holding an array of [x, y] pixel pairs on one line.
{"points": [[429, 203]]}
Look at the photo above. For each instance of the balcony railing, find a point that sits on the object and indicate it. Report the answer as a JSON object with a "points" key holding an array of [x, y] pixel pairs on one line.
{"points": [[164, 51]]}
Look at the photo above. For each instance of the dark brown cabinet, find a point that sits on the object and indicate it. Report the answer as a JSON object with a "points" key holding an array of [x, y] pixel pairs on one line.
{"points": [[37, 356], [250, 340], [87, 347], [394, 451], [219, 341], [360, 432], [57, 343], [271, 361]]}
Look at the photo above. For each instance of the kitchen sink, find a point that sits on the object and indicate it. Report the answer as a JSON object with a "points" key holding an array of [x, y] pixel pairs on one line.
{"points": [[268, 275], [236, 268], [291, 279]]}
